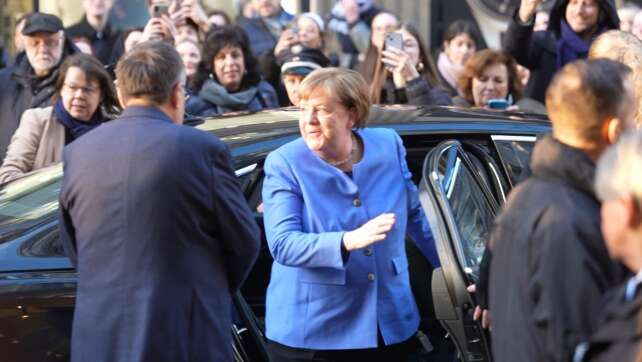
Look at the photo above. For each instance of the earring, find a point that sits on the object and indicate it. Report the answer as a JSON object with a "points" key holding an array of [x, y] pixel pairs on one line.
{"points": [[420, 66]]}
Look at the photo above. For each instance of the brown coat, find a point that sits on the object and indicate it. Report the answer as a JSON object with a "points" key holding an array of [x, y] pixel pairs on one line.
{"points": [[37, 143]]}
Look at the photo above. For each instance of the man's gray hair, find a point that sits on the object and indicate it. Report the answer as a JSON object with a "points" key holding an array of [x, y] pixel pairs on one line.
{"points": [[619, 170], [149, 70]]}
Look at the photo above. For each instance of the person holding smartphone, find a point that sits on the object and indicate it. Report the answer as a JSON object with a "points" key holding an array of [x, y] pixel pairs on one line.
{"points": [[490, 80], [406, 73]]}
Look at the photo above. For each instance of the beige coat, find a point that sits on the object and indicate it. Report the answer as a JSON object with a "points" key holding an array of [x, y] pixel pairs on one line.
{"points": [[37, 143]]}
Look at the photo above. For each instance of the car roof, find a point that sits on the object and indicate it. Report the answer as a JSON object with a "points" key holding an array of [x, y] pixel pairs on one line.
{"points": [[241, 128]]}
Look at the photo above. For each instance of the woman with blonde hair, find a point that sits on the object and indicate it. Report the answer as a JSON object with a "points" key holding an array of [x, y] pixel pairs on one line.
{"points": [[338, 204], [625, 48]]}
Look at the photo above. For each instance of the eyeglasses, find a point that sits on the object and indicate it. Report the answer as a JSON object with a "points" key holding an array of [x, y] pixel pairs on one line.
{"points": [[72, 88]]}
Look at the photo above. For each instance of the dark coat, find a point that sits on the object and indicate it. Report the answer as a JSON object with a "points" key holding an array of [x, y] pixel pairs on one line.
{"points": [[265, 98], [537, 51], [20, 90], [153, 219], [416, 92], [550, 267], [618, 336], [107, 45]]}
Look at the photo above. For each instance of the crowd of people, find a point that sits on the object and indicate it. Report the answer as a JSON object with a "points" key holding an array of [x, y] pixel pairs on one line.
{"points": [[561, 271]]}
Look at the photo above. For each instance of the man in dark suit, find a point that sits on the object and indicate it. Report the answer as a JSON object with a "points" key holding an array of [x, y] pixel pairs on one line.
{"points": [[154, 220], [618, 186]]}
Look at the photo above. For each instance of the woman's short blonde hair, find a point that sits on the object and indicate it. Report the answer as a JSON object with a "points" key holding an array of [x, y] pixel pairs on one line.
{"points": [[347, 87], [626, 48]]}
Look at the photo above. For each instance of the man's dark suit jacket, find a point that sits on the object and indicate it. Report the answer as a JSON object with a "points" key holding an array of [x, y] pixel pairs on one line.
{"points": [[154, 220]]}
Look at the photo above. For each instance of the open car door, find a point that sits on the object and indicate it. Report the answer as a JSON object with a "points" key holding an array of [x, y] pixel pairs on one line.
{"points": [[461, 212]]}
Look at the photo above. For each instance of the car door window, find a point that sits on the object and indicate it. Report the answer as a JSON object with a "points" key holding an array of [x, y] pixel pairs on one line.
{"points": [[514, 152], [470, 209]]}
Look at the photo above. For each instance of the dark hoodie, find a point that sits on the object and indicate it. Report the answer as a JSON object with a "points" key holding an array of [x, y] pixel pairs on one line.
{"points": [[21, 90], [538, 50]]}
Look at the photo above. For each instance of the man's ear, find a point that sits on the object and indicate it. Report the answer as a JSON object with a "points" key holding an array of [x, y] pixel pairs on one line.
{"points": [[633, 212], [121, 100], [611, 130]]}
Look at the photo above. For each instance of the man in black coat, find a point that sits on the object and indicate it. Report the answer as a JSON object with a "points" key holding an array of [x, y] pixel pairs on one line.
{"points": [[153, 218], [30, 82], [106, 42], [620, 191], [550, 266], [572, 27]]}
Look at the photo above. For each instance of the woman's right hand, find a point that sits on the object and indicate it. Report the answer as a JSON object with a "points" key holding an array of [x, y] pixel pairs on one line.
{"points": [[369, 233], [527, 9], [286, 40]]}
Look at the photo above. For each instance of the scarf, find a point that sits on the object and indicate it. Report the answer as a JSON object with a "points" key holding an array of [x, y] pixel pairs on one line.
{"points": [[76, 127], [224, 101], [570, 46], [449, 70]]}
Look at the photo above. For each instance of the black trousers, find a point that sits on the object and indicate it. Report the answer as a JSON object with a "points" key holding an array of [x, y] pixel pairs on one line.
{"points": [[398, 352]]}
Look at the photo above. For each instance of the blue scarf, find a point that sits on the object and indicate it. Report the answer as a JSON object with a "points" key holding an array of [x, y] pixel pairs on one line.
{"points": [[570, 46], [75, 127]]}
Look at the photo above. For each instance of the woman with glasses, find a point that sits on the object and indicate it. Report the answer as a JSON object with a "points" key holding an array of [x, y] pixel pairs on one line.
{"points": [[84, 98]]}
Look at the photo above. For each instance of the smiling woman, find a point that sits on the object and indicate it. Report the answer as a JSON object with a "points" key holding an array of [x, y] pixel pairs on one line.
{"points": [[337, 204], [229, 79], [84, 98]]}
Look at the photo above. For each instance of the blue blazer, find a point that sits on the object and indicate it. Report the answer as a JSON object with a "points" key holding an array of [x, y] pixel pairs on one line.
{"points": [[315, 299], [155, 222]]}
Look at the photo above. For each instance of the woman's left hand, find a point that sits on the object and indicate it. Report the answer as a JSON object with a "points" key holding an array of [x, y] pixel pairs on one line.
{"points": [[195, 11], [399, 63]]}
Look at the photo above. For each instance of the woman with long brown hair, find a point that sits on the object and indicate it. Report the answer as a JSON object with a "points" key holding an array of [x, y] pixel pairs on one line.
{"points": [[407, 75]]}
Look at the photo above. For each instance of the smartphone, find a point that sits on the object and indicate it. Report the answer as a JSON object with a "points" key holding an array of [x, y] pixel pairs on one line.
{"points": [[159, 9], [497, 103], [393, 40]]}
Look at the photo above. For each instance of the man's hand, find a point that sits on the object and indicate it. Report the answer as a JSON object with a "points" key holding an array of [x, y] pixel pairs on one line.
{"points": [[479, 313], [527, 9], [369, 233]]}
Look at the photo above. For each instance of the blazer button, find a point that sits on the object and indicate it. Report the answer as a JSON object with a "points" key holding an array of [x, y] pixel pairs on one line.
{"points": [[367, 251], [371, 277], [356, 202]]}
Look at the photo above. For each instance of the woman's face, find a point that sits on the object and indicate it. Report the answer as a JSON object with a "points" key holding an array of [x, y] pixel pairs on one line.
{"points": [[325, 123], [582, 15], [381, 25], [191, 56], [229, 67], [309, 33], [291, 83], [492, 83], [410, 45], [80, 96], [460, 48], [186, 31]]}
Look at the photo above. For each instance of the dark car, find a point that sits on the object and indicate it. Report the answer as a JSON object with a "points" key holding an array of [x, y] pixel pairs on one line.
{"points": [[465, 162]]}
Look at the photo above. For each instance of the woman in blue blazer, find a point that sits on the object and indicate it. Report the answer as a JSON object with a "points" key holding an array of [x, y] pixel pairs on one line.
{"points": [[338, 203]]}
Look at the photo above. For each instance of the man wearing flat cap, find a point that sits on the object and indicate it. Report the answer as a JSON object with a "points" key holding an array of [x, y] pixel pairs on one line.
{"points": [[30, 82], [298, 62]]}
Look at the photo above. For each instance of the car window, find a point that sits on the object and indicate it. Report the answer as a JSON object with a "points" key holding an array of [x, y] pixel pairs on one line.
{"points": [[514, 152], [472, 212]]}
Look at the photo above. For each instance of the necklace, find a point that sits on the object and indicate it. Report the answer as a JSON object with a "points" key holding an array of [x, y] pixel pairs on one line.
{"points": [[350, 156]]}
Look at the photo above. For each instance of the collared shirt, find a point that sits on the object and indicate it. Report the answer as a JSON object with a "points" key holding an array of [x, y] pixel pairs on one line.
{"points": [[632, 286]]}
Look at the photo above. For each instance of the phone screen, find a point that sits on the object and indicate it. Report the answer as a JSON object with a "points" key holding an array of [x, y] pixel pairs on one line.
{"points": [[159, 9]]}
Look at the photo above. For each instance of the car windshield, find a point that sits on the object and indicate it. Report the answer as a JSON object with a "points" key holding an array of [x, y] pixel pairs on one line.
{"points": [[29, 200]]}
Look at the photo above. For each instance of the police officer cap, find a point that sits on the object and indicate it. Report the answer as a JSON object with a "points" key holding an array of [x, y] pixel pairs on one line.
{"points": [[301, 60]]}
